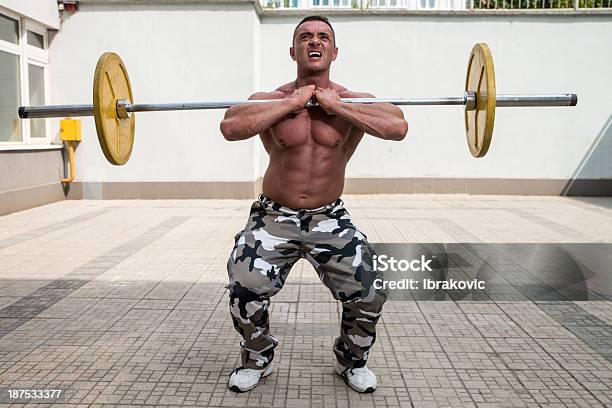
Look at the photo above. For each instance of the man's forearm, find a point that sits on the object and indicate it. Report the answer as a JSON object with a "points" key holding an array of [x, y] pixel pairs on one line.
{"points": [[247, 120], [379, 119]]}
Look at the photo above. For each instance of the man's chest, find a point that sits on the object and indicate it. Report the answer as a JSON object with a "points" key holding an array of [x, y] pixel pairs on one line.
{"points": [[310, 126]]}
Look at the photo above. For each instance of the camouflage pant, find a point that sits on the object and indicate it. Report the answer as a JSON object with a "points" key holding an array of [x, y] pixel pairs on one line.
{"points": [[274, 239]]}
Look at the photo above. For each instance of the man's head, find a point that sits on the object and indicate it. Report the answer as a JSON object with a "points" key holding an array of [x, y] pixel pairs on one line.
{"points": [[314, 44]]}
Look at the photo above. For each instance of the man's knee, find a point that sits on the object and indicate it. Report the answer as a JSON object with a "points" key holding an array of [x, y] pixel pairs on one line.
{"points": [[245, 304], [370, 303], [261, 282], [258, 265], [365, 293]]}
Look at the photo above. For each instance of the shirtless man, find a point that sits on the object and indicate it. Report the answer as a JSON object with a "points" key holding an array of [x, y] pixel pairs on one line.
{"points": [[300, 214]]}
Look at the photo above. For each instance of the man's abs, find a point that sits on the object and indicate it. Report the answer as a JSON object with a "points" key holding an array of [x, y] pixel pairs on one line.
{"points": [[305, 179]]}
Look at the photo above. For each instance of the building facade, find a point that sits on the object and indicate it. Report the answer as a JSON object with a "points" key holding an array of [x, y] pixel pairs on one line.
{"points": [[202, 50]]}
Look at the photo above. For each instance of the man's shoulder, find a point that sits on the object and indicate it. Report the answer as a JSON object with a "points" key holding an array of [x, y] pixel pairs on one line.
{"points": [[287, 88], [267, 95], [344, 92], [279, 93], [355, 94]]}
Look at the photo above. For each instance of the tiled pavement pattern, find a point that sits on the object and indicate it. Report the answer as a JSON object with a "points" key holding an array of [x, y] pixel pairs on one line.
{"points": [[122, 303]]}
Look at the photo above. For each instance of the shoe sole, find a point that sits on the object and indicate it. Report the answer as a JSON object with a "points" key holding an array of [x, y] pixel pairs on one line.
{"points": [[264, 375], [368, 390]]}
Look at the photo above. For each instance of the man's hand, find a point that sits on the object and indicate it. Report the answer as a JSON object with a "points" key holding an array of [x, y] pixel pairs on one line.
{"points": [[328, 99], [301, 96]]}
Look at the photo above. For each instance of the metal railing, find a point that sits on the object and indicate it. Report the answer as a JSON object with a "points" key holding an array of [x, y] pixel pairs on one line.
{"points": [[437, 4], [540, 4], [310, 4]]}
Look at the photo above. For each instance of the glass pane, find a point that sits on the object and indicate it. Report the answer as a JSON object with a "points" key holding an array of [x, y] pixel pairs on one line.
{"points": [[315, 2], [10, 125], [36, 77], [9, 29], [36, 39], [326, 2]]}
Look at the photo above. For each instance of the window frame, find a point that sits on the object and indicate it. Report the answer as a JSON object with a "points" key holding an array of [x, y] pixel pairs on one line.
{"points": [[40, 58], [28, 54], [46, 139]]}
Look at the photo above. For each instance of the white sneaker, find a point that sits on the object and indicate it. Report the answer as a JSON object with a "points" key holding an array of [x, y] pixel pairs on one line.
{"points": [[360, 379], [245, 379]]}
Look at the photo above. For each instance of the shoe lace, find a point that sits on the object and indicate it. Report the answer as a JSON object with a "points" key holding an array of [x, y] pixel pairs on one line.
{"points": [[358, 370], [235, 370]]}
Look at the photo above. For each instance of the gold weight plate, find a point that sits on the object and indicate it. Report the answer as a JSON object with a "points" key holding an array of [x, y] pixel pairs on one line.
{"points": [[111, 82], [480, 78]]}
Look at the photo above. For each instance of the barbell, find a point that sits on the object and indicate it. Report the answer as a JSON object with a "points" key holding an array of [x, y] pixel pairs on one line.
{"points": [[113, 104]]}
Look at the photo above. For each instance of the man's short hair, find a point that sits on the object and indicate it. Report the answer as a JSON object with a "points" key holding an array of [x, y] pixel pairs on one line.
{"points": [[314, 18]]}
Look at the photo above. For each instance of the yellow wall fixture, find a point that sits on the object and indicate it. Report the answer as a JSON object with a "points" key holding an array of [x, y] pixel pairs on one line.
{"points": [[70, 132]]}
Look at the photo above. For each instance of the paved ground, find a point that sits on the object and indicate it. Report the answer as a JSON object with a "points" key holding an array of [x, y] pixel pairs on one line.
{"points": [[123, 303]]}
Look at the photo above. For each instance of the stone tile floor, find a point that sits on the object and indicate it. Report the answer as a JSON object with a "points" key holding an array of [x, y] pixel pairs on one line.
{"points": [[122, 303]]}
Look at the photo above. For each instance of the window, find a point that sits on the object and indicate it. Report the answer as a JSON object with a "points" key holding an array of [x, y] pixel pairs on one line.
{"points": [[331, 3], [36, 40], [9, 29], [387, 3], [10, 97], [23, 79]]}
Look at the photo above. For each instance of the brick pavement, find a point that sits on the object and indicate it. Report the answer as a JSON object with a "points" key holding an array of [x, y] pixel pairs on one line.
{"points": [[122, 303]]}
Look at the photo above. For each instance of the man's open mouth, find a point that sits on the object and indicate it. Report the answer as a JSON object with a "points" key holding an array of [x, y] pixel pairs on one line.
{"points": [[314, 54]]}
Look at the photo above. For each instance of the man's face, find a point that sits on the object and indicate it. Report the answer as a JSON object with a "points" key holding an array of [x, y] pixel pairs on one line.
{"points": [[314, 46]]}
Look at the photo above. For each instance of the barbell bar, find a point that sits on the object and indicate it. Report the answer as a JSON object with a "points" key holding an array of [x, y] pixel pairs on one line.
{"points": [[123, 105], [112, 106]]}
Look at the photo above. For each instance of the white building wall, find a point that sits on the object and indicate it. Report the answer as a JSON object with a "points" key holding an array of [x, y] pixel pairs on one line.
{"points": [[173, 53], [199, 52], [427, 56]]}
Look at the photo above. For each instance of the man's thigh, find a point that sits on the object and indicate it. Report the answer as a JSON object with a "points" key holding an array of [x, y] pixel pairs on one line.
{"points": [[264, 252], [342, 256]]}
